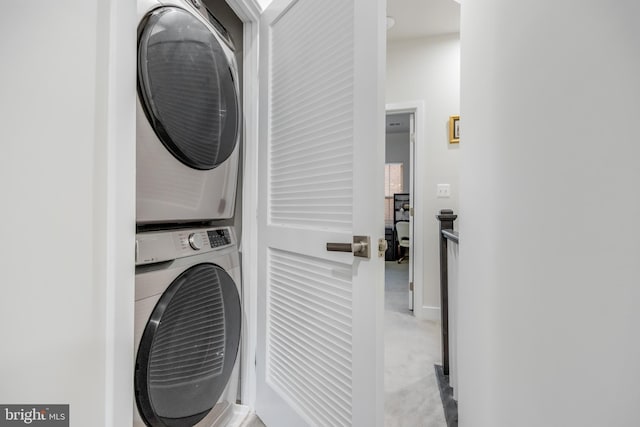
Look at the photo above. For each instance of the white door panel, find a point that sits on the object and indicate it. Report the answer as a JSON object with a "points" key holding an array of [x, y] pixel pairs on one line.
{"points": [[319, 355]]}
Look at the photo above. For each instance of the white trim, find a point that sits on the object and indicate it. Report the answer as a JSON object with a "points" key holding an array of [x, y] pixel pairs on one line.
{"points": [[249, 12], [429, 313], [417, 108], [412, 193], [118, 148]]}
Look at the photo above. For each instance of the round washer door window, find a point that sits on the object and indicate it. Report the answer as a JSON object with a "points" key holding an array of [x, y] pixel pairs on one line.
{"points": [[188, 348], [186, 88]]}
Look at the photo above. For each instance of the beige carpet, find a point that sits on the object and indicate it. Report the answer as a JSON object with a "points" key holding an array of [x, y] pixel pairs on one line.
{"points": [[412, 347]]}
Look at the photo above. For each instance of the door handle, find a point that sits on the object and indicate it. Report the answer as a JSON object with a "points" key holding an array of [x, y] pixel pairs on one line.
{"points": [[361, 247]]}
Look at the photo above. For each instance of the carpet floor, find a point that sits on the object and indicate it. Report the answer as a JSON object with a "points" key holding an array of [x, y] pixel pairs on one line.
{"points": [[412, 347]]}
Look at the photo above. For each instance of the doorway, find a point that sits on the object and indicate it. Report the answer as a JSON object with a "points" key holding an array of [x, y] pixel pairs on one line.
{"points": [[399, 172], [399, 377], [411, 343], [406, 140]]}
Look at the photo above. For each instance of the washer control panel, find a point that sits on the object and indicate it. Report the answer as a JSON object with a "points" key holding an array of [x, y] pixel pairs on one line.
{"points": [[158, 246]]}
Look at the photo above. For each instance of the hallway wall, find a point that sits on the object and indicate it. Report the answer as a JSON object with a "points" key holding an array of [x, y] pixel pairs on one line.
{"points": [[549, 274], [428, 69]]}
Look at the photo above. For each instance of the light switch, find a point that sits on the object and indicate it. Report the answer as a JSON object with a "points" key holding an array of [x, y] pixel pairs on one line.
{"points": [[443, 191]]}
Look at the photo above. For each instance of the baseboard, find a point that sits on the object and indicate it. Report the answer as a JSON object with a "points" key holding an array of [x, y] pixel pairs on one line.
{"points": [[428, 313]]}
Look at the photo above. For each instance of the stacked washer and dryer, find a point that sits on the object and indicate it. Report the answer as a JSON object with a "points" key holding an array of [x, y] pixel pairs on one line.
{"points": [[188, 313]]}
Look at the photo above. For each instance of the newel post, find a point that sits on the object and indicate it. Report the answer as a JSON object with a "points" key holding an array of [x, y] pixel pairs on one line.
{"points": [[446, 219]]}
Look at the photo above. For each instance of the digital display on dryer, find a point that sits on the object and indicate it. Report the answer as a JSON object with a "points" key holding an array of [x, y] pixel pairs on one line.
{"points": [[218, 238]]}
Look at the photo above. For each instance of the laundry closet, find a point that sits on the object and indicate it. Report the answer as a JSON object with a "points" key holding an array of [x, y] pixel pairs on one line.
{"points": [[300, 344], [188, 285]]}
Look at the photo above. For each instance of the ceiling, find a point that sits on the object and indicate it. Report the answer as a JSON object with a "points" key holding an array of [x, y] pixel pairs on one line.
{"points": [[423, 18]]}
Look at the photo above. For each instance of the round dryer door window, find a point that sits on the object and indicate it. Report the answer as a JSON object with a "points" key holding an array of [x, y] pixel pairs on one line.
{"points": [[188, 348], [186, 87]]}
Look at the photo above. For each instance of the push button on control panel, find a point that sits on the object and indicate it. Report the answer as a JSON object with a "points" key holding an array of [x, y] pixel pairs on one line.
{"points": [[218, 238]]}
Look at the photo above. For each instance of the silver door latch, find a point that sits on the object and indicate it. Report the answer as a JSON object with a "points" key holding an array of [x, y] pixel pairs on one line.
{"points": [[382, 247]]}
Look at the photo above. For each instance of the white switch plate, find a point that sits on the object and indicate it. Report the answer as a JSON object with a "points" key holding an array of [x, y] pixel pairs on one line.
{"points": [[443, 191]]}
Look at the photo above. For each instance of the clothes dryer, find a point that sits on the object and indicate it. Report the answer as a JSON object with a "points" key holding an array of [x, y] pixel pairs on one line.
{"points": [[188, 322], [188, 115]]}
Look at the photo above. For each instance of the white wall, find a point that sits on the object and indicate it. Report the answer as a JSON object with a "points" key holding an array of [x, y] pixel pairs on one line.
{"points": [[67, 174], [428, 69], [550, 243]]}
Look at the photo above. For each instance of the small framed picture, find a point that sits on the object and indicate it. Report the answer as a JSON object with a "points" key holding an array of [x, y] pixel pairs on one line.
{"points": [[454, 129]]}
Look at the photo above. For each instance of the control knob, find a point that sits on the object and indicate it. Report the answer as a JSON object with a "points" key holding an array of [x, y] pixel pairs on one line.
{"points": [[195, 241]]}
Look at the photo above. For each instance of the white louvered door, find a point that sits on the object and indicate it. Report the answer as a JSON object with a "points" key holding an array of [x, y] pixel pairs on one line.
{"points": [[319, 358]]}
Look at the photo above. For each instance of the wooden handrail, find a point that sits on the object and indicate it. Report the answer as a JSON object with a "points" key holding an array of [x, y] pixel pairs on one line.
{"points": [[450, 235]]}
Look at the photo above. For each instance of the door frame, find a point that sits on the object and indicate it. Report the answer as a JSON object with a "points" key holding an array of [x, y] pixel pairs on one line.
{"points": [[118, 45], [416, 107], [249, 13]]}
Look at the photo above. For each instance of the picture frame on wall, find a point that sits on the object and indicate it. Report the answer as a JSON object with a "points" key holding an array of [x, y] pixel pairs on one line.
{"points": [[454, 129]]}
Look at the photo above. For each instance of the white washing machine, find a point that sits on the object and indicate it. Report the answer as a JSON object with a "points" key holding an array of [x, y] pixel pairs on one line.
{"points": [[188, 320], [188, 115]]}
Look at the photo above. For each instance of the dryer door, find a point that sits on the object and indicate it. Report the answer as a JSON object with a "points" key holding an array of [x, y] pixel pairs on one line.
{"points": [[188, 348], [187, 87]]}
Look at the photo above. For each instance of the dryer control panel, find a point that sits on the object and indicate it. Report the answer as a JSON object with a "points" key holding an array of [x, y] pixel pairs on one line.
{"points": [[219, 237], [159, 246]]}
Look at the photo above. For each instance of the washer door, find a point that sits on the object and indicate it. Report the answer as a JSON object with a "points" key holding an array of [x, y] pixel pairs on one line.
{"points": [[186, 88], [188, 348]]}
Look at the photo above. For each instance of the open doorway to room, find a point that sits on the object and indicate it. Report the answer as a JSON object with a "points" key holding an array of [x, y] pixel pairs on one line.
{"points": [[411, 344], [398, 186], [422, 76]]}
